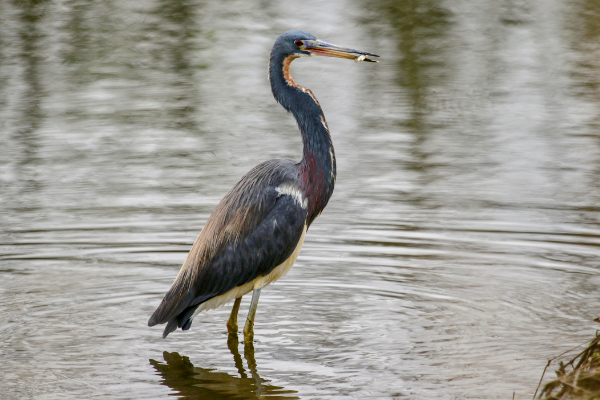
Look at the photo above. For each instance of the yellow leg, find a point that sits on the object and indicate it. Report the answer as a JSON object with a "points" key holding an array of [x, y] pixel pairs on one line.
{"points": [[249, 327], [232, 326]]}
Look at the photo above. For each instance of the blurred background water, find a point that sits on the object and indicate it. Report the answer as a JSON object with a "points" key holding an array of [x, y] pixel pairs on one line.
{"points": [[460, 249]]}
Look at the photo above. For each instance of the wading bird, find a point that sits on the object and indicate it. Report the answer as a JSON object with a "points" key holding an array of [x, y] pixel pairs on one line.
{"points": [[254, 235]]}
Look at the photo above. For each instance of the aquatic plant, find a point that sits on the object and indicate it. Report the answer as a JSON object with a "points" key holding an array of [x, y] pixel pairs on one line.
{"points": [[577, 379]]}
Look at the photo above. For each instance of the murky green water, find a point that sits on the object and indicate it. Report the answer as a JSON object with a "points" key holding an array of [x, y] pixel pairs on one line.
{"points": [[459, 252]]}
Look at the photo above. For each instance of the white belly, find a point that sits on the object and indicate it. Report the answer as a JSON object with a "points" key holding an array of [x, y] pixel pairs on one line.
{"points": [[257, 283]]}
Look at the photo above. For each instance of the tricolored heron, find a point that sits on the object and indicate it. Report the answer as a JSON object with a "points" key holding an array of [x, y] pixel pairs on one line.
{"points": [[254, 235]]}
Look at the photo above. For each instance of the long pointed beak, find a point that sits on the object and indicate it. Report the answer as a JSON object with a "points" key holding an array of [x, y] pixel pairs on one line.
{"points": [[320, 48]]}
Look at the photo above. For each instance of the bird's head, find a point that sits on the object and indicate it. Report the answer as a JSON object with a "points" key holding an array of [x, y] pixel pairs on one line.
{"points": [[303, 44]]}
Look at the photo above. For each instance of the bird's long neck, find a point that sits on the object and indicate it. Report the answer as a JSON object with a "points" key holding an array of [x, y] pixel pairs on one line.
{"points": [[317, 170]]}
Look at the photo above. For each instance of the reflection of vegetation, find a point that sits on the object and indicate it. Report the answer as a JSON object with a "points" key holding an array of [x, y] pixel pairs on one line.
{"points": [[178, 21], [30, 17], [579, 378], [32, 115], [585, 74], [149, 54], [586, 25], [422, 26], [205, 383]]}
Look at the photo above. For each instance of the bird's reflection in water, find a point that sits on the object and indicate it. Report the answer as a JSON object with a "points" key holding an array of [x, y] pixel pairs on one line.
{"points": [[191, 382]]}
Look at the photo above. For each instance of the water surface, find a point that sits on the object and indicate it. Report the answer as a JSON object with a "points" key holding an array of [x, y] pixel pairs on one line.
{"points": [[458, 253]]}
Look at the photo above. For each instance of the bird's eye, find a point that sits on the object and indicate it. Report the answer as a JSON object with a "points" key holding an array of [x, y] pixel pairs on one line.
{"points": [[299, 43]]}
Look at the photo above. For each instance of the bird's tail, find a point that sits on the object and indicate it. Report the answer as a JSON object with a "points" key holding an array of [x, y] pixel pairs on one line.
{"points": [[176, 308], [183, 320]]}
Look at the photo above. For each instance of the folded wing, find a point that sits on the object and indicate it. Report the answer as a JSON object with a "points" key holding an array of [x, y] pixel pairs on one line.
{"points": [[255, 228]]}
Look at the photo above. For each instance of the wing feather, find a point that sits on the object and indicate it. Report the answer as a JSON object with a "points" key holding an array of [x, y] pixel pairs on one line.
{"points": [[252, 230]]}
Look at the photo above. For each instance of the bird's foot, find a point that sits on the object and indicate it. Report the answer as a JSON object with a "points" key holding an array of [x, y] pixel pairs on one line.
{"points": [[232, 327]]}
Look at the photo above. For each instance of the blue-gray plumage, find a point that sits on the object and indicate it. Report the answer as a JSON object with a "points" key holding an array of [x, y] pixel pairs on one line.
{"points": [[254, 235]]}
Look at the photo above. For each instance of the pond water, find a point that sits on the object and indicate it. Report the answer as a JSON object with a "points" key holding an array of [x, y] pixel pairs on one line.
{"points": [[459, 252]]}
